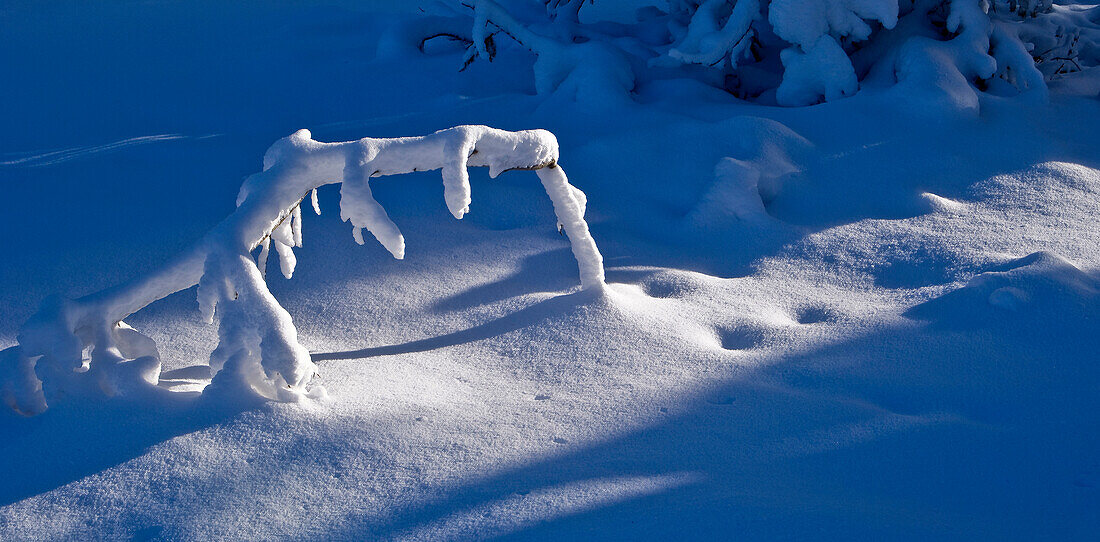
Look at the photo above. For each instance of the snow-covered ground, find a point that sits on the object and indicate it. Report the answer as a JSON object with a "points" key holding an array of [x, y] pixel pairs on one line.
{"points": [[903, 344]]}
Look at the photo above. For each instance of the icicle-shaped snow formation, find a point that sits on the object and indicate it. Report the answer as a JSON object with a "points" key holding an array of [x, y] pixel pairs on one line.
{"points": [[258, 350], [358, 205]]}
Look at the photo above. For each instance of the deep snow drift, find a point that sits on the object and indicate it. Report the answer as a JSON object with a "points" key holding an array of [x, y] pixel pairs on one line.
{"points": [[870, 318]]}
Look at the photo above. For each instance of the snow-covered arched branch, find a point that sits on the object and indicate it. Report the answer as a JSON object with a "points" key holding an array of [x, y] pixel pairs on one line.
{"points": [[258, 349]]}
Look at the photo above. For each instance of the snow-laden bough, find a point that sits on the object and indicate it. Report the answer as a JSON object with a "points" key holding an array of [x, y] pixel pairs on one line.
{"points": [[82, 347]]}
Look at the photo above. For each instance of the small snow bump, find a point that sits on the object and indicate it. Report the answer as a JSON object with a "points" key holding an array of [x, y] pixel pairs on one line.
{"points": [[940, 204], [542, 397]]}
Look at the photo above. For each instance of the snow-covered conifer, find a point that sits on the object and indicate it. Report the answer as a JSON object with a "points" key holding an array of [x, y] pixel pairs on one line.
{"points": [[792, 52]]}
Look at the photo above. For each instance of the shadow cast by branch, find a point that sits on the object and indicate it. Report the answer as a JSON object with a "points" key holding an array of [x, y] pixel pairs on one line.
{"points": [[530, 316]]}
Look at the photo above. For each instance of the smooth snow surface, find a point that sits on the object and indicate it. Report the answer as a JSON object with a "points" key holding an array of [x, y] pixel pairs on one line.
{"points": [[874, 318]]}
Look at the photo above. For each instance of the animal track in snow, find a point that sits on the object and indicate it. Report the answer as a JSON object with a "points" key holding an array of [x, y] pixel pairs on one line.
{"points": [[815, 314], [742, 337], [721, 399], [666, 285], [64, 155]]}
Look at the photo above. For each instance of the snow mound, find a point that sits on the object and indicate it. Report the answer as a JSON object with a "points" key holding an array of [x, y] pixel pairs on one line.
{"points": [[745, 182], [940, 204], [1040, 286], [823, 70]]}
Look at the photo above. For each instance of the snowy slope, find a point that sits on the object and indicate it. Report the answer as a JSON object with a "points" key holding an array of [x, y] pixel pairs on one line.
{"points": [[901, 344]]}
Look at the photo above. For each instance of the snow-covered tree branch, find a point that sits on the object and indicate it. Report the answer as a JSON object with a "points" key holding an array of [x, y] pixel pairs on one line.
{"points": [[83, 346]]}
